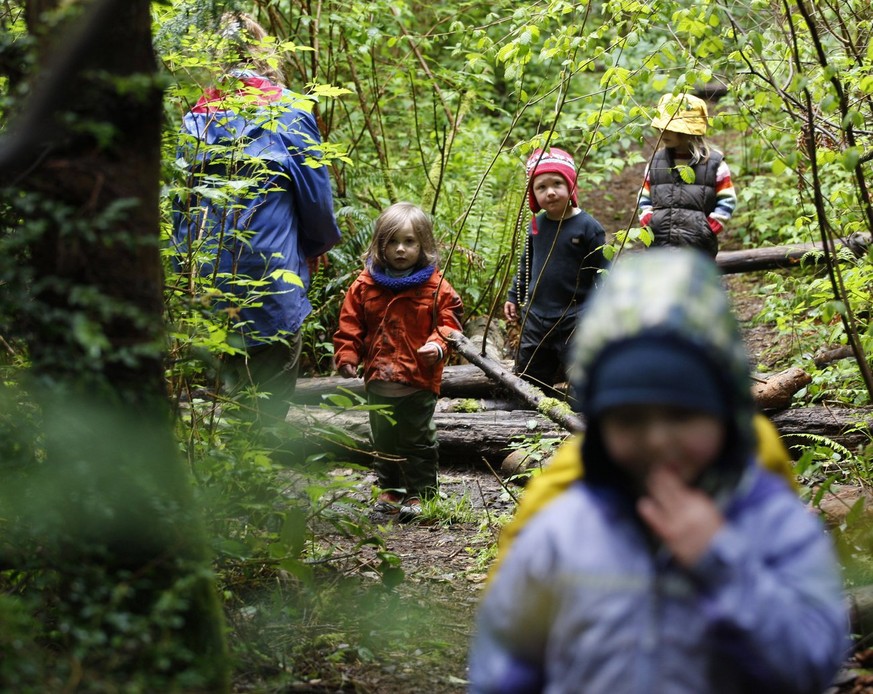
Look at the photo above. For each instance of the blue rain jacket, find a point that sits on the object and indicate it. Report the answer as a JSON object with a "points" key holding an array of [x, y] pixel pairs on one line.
{"points": [[255, 242]]}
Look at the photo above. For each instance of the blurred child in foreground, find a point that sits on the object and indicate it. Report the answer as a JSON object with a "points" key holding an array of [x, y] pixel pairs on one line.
{"points": [[677, 564]]}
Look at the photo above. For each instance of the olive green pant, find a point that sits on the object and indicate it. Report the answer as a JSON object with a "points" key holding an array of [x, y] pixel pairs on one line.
{"points": [[271, 369], [410, 439]]}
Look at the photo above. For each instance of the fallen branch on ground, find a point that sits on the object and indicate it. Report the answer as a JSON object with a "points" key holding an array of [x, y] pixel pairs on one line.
{"points": [[529, 394]]}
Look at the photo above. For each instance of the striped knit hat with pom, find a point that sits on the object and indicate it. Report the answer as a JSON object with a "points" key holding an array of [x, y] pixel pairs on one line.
{"points": [[553, 161]]}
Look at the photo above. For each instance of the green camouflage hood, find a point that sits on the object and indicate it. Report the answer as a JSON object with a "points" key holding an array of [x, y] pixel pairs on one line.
{"points": [[671, 293]]}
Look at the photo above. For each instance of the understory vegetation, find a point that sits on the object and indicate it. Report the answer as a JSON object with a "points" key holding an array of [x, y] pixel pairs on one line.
{"points": [[438, 104]]}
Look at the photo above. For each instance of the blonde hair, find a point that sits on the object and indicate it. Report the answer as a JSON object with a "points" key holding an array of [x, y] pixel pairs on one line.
{"points": [[392, 220], [686, 115], [251, 43], [699, 147]]}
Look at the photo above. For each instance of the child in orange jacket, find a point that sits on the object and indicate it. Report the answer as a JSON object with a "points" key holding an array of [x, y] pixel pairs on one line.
{"points": [[394, 322]]}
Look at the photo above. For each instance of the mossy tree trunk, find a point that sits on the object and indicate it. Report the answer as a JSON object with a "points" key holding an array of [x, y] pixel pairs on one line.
{"points": [[110, 503]]}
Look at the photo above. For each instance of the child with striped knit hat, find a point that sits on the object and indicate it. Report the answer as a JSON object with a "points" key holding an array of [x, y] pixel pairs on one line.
{"points": [[559, 264]]}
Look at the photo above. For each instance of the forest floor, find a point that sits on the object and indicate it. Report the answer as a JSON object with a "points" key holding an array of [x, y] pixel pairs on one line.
{"points": [[413, 636]]}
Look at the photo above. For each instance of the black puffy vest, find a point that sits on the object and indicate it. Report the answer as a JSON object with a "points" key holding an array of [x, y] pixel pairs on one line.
{"points": [[679, 209]]}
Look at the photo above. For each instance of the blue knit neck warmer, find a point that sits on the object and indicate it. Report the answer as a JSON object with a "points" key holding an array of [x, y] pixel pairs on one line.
{"points": [[400, 283]]}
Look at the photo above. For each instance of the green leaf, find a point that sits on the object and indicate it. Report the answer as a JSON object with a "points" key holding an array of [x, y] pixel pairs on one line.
{"points": [[329, 90], [287, 276], [856, 512], [686, 173], [391, 576], [293, 533], [338, 400], [850, 158], [646, 236], [298, 569]]}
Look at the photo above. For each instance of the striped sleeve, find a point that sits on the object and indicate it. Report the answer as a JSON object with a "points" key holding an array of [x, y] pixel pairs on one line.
{"points": [[725, 194], [644, 203]]}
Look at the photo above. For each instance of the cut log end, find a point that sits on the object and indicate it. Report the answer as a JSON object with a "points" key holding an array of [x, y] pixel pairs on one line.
{"points": [[777, 391]]}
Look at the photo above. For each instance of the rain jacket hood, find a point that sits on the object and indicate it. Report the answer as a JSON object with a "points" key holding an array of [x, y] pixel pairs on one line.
{"points": [[667, 296]]}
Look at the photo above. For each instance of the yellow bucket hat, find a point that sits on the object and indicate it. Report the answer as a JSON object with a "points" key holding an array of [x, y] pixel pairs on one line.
{"points": [[681, 113]]}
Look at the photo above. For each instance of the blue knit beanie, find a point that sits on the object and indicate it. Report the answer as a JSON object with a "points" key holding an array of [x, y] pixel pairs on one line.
{"points": [[655, 371]]}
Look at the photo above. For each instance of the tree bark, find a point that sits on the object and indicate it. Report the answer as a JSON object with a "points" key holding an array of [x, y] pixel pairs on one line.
{"points": [[777, 391], [481, 331], [476, 405], [850, 427], [464, 437], [459, 381], [829, 356], [112, 500], [532, 396]]}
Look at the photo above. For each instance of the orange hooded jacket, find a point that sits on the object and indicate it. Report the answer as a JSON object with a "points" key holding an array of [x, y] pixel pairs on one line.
{"points": [[382, 329]]}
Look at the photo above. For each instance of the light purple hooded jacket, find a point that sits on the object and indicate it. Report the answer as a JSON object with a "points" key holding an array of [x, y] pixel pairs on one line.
{"points": [[586, 602]]}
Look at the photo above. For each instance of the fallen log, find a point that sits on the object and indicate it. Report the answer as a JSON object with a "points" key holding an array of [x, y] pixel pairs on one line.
{"points": [[467, 437], [829, 356], [776, 392], [483, 330], [849, 427], [483, 377], [471, 389], [464, 437], [476, 405], [773, 257], [459, 381]]}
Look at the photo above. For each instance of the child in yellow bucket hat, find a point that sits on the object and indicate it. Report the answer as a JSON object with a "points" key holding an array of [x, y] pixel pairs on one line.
{"points": [[688, 195], [683, 114]]}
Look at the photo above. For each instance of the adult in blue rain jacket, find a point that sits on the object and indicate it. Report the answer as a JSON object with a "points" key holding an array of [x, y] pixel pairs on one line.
{"points": [[676, 565], [259, 213]]}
